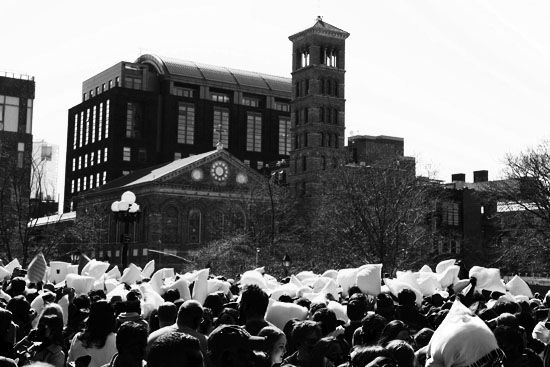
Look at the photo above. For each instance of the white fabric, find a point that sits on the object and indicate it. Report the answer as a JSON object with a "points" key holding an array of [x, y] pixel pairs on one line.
{"points": [[4, 273], [81, 284], [64, 304], [426, 269], [95, 269], [253, 277], [120, 290], [448, 276], [427, 283], [289, 289], [72, 269], [10, 267], [369, 279], [396, 286], [488, 279], [182, 285], [460, 285], [518, 287], [279, 313], [440, 268], [151, 300], [330, 274], [460, 340], [100, 356], [217, 285], [305, 275], [346, 279], [200, 289], [148, 269], [339, 309], [131, 274], [58, 271]]}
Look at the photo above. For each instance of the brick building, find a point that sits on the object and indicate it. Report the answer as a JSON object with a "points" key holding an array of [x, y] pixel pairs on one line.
{"points": [[16, 104], [154, 110], [318, 104], [366, 150], [184, 203]]}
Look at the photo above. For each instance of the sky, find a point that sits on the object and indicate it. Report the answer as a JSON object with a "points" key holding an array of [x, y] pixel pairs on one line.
{"points": [[463, 82]]}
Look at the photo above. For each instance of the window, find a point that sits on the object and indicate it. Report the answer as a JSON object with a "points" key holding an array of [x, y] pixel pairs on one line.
{"points": [[78, 185], [329, 56], [186, 123], [9, 113], [92, 156], [253, 132], [103, 87], [98, 156], [117, 81], [183, 91], [305, 139], [170, 220], [125, 173], [284, 135], [91, 93], [133, 120], [221, 127], [84, 183], [105, 155], [194, 226], [132, 82], [81, 131], [72, 186], [79, 162], [94, 117], [96, 91], [87, 126], [450, 214], [91, 181], [104, 177], [85, 160], [247, 162], [110, 84], [142, 155], [20, 154], [126, 154], [28, 126], [97, 179], [107, 119], [219, 97], [303, 58], [323, 162], [177, 155], [75, 127], [251, 101], [304, 163], [260, 165], [74, 164], [100, 122], [281, 106]]}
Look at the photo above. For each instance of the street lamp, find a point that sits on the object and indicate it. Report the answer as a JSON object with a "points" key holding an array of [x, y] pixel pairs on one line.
{"points": [[127, 211], [75, 256], [286, 263], [257, 255]]}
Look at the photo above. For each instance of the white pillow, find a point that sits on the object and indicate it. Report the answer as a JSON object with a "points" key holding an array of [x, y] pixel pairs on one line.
{"points": [[81, 284], [518, 287], [488, 279], [369, 279], [148, 269], [289, 289], [339, 310], [253, 277], [131, 274], [182, 285], [396, 286], [305, 275], [426, 269], [330, 274], [279, 313], [440, 268], [58, 271], [217, 285], [448, 276], [114, 273], [4, 273], [95, 269], [10, 267], [347, 278], [427, 283], [200, 289]]}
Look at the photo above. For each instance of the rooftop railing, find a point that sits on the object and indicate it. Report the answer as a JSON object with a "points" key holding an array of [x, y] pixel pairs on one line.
{"points": [[15, 75]]}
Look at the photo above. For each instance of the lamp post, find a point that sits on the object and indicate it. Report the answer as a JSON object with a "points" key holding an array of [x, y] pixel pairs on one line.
{"points": [[257, 255], [127, 211], [286, 263], [75, 256]]}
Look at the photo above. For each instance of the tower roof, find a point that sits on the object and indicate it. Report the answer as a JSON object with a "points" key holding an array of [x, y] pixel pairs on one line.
{"points": [[323, 28]]}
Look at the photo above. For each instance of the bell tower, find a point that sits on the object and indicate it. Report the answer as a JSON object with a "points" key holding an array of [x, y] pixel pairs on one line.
{"points": [[317, 106]]}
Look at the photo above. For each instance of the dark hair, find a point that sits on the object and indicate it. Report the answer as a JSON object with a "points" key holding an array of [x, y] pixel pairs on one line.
{"points": [[390, 331], [354, 290], [323, 348], [402, 352], [422, 337], [175, 348], [100, 324], [285, 298], [167, 311], [131, 337], [254, 302], [356, 309], [214, 302], [361, 356], [406, 297], [97, 295], [271, 335], [326, 319], [171, 295], [55, 323], [304, 302], [316, 307], [228, 316], [301, 329], [371, 328]]}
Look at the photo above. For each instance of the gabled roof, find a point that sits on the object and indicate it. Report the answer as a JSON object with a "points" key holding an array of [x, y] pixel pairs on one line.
{"points": [[235, 77], [321, 27]]}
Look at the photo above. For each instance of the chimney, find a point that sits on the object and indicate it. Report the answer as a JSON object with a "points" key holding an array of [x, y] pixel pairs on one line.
{"points": [[458, 177], [481, 176]]}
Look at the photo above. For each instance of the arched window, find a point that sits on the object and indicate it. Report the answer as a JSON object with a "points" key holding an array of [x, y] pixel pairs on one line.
{"points": [[170, 228], [217, 224], [194, 226]]}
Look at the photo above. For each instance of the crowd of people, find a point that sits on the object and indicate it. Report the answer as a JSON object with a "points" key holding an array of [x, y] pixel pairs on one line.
{"points": [[470, 328]]}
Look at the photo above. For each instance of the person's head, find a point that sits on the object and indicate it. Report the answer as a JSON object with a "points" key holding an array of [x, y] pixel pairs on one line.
{"points": [[363, 355], [100, 324], [190, 314], [314, 307], [507, 319], [384, 305], [326, 319], [20, 309], [354, 290], [167, 313], [231, 346], [275, 343], [510, 340], [402, 352], [305, 335], [371, 328], [406, 298], [395, 329], [356, 309], [214, 302], [175, 349], [253, 303], [422, 337], [332, 349], [228, 316], [304, 302], [171, 295], [17, 286], [131, 340], [52, 309], [6, 318], [50, 329]]}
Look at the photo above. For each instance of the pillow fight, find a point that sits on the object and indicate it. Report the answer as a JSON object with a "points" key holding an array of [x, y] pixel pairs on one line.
{"points": [[93, 315]]}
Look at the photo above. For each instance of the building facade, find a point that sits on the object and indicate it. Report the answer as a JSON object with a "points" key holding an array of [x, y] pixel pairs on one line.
{"points": [[152, 111], [16, 108], [366, 150], [318, 104]]}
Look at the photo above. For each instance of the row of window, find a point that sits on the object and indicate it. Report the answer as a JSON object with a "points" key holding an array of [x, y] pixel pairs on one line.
{"points": [[127, 154], [88, 182], [90, 125], [327, 86], [104, 87], [327, 140], [301, 165], [83, 160], [220, 128], [328, 57], [327, 115], [9, 115], [450, 213]]}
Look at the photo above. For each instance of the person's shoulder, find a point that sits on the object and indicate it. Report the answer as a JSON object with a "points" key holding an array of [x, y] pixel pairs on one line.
{"points": [[155, 334]]}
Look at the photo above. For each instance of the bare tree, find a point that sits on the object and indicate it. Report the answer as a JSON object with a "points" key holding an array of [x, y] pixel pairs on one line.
{"points": [[377, 213]]}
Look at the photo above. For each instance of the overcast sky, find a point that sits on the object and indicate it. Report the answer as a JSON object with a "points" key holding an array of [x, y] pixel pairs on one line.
{"points": [[463, 82]]}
